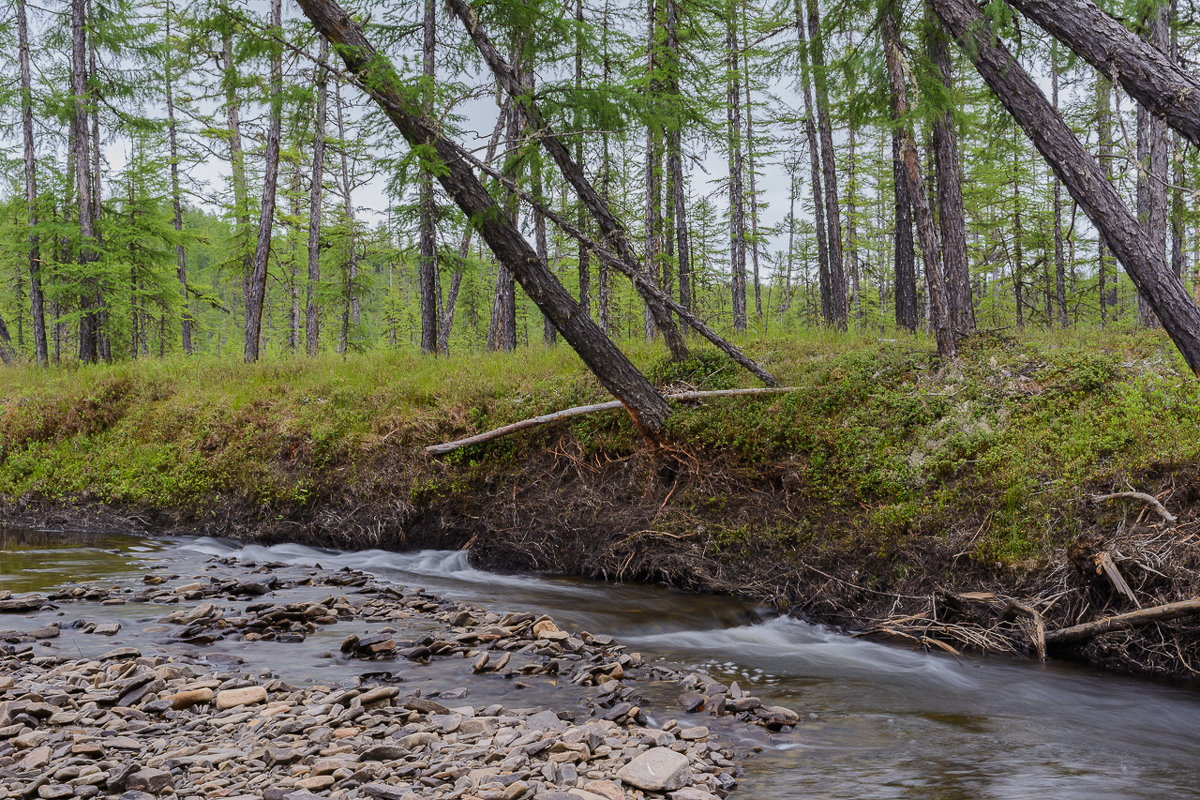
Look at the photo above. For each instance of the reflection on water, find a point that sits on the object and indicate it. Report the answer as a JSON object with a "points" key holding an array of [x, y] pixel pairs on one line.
{"points": [[32, 561], [878, 721]]}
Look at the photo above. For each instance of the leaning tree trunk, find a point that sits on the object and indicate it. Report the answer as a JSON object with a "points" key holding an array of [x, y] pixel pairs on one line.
{"points": [[646, 407], [35, 262], [312, 318], [1143, 259], [930, 246], [949, 192], [1149, 74], [611, 229], [428, 251], [262, 248]]}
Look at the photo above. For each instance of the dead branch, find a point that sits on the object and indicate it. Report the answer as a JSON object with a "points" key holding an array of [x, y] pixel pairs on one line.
{"points": [[1134, 619], [533, 422], [1149, 499], [1104, 563]]}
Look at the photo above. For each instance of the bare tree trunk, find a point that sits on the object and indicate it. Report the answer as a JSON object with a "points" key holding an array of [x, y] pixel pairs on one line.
{"points": [[904, 256], [833, 214], [1177, 176], [653, 164], [1143, 259], [930, 246], [185, 324], [262, 249], [1104, 255], [36, 301], [949, 193], [237, 158], [1152, 155], [646, 407], [348, 176], [851, 228], [428, 256], [737, 194], [89, 320], [312, 317], [1018, 237], [1060, 267], [814, 154], [584, 268], [750, 169]]}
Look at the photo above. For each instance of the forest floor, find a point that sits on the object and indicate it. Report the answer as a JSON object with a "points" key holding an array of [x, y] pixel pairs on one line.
{"points": [[948, 505]]}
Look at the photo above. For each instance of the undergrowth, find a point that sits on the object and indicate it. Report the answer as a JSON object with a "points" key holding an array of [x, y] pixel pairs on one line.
{"points": [[880, 440]]}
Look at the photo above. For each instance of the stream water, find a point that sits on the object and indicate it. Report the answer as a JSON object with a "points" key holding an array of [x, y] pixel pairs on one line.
{"points": [[878, 721]]}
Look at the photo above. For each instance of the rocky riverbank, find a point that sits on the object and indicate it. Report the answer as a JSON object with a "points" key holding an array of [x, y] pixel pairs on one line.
{"points": [[188, 723]]}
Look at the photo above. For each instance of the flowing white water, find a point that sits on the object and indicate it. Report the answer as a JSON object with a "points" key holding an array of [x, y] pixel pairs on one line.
{"points": [[878, 721]]}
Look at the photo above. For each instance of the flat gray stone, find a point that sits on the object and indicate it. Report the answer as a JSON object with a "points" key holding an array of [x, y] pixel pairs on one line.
{"points": [[659, 769]]}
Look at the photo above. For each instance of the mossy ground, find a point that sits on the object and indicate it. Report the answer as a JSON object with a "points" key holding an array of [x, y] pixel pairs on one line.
{"points": [[886, 469]]}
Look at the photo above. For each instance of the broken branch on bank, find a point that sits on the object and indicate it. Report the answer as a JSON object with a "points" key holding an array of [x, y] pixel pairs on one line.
{"points": [[1121, 622], [1149, 499], [533, 422]]}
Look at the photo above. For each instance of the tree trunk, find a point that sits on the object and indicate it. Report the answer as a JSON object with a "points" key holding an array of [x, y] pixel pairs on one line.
{"points": [[1147, 72], [1060, 267], [89, 320], [262, 249], [737, 194], [852, 228], [1104, 255], [646, 407], [611, 229], [1178, 176], [36, 301], [750, 169], [904, 254], [833, 214], [814, 155], [237, 158], [312, 318], [176, 194], [1079, 172], [1018, 237], [1152, 155], [584, 267], [930, 246], [428, 256], [949, 193]]}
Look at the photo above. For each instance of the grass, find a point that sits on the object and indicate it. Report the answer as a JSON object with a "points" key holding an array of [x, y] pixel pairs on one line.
{"points": [[879, 435]]}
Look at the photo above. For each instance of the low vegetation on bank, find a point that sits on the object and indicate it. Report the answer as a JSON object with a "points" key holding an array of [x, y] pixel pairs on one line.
{"points": [[886, 471]]}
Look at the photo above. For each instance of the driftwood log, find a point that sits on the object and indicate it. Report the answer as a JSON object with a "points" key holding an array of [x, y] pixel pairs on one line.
{"points": [[533, 422], [1134, 619]]}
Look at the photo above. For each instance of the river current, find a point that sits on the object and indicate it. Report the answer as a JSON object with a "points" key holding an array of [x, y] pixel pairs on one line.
{"points": [[878, 721]]}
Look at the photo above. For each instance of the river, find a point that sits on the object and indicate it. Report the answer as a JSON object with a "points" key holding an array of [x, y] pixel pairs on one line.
{"points": [[878, 721]]}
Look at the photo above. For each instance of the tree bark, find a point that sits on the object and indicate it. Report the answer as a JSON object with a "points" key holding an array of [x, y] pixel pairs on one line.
{"points": [[185, 322], [1104, 134], [584, 267], [930, 246], [750, 170], [1148, 73], [428, 256], [949, 193], [646, 407], [1152, 155], [814, 156], [1060, 267], [36, 300], [89, 321], [312, 315], [833, 214], [1079, 172], [262, 249], [610, 228], [737, 194]]}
